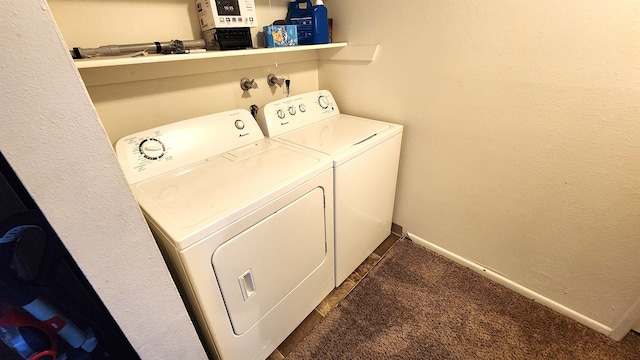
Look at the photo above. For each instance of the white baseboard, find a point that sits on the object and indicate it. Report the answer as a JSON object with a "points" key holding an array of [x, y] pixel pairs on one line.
{"points": [[514, 286]]}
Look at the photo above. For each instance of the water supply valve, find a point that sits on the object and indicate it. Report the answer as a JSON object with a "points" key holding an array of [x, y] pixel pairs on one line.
{"points": [[246, 84], [273, 80]]}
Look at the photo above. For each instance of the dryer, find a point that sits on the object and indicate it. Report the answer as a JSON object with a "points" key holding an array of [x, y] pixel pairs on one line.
{"points": [[244, 222], [365, 154]]}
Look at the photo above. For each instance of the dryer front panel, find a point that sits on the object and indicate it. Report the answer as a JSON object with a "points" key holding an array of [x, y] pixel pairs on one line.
{"points": [[264, 264]]}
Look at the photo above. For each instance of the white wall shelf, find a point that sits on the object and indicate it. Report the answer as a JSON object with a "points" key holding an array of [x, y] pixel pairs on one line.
{"points": [[364, 53], [156, 58], [114, 70]]}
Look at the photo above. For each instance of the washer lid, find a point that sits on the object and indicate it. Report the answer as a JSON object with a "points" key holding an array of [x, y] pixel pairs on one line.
{"points": [[338, 133], [195, 201]]}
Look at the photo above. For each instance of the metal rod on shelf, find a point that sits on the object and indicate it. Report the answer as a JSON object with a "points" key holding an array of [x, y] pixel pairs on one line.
{"points": [[166, 47]]}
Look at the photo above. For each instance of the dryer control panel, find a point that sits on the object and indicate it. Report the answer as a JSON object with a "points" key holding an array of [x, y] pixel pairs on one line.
{"points": [[156, 151], [292, 113]]}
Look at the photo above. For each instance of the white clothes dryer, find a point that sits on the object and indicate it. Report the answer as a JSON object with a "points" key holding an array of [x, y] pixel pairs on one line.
{"points": [[365, 155], [245, 223]]}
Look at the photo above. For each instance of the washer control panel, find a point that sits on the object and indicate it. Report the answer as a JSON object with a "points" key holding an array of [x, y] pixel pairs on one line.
{"points": [[281, 116], [169, 147]]}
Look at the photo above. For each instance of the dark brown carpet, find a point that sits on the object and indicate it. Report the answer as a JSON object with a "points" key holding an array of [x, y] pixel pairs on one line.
{"points": [[416, 304]]}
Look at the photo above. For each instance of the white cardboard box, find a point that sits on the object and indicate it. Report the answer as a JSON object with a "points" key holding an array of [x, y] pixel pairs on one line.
{"points": [[226, 13]]}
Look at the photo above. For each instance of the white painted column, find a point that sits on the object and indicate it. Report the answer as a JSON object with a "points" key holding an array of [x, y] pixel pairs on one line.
{"points": [[52, 137]]}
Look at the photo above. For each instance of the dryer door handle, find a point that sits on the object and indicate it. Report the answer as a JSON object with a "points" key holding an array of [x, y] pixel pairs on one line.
{"points": [[247, 286]]}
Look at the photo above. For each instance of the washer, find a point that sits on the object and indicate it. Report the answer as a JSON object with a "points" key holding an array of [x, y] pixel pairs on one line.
{"points": [[365, 157], [245, 223]]}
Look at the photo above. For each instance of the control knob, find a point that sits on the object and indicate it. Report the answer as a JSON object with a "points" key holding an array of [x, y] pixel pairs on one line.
{"points": [[151, 148], [323, 101]]}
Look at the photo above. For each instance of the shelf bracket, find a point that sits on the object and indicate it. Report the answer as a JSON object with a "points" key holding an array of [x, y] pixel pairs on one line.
{"points": [[349, 53]]}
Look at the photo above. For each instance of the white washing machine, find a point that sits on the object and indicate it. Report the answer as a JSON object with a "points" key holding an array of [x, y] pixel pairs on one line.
{"points": [[365, 157], [245, 223]]}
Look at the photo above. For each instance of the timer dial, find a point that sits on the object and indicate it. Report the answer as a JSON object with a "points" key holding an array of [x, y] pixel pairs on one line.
{"points": [[152, 148], [323, 101]]}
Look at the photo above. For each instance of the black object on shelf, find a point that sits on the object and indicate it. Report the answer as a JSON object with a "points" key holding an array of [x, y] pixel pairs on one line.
{"points": [[232, 39]]}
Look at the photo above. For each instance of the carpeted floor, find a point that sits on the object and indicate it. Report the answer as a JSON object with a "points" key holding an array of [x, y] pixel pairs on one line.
{"points": [[416, 304]]}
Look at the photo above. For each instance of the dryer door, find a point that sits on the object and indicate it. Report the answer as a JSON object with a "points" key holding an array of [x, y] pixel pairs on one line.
{"points": [[264, 264]]}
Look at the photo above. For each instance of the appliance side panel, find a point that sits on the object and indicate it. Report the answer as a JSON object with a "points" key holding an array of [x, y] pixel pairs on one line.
{"points": [[365, 188]]}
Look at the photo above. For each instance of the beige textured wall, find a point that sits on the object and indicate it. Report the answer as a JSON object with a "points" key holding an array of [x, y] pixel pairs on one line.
{"points": [[522, 135]]}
